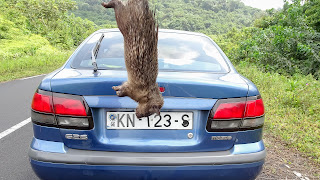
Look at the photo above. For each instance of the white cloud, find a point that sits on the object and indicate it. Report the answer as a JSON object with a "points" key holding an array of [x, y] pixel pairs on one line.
{"points": [[264, 4]]}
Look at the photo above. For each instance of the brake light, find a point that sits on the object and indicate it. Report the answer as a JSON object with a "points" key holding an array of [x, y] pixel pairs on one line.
{"points": [[42, 103], [254, 108], [64, 106], [60, 110], [230, 110], [236, 113], [162, 89]]}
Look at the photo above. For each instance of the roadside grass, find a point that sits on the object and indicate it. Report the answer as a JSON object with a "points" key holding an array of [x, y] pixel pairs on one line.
{"points": [[44, 60], [292, 106], [25, 54]]}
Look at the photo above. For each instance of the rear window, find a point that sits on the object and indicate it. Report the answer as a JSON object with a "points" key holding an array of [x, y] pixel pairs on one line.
{"points": [[177, 52]]}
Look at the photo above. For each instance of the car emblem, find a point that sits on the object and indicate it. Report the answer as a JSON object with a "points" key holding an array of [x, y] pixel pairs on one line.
{"points": [[77, 136], [221, 138], [112, 117]]}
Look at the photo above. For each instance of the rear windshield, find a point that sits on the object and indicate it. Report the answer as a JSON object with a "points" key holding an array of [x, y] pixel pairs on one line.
{"points": [[177, 52]]}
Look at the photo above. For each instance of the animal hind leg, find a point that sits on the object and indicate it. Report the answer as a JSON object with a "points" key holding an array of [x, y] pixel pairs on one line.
{"points": [[150, 107], [147, 109], [155, 102], [155, 105], [142, 110]]}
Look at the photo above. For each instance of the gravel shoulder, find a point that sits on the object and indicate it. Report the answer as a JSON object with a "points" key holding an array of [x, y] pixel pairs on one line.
{"points": [[284, 162]]}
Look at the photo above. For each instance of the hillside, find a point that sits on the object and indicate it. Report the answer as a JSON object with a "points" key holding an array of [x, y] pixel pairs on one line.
{"points": [[37, 36], [207, 16]]}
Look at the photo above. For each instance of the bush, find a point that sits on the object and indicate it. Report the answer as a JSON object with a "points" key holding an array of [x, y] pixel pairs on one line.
{"points": [[282, 42], [24, 54], [50, 19]]}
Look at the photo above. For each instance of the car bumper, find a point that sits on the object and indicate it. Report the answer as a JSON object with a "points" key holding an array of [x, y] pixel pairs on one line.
{"points": [[52, 160]]}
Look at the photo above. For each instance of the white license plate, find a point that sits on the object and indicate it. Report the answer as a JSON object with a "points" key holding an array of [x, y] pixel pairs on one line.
{"points": [[166, 120]]}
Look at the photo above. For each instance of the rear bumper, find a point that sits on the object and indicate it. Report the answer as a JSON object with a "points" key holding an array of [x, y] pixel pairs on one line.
{"points": [[73, 156], [243, 160], [56, 171]]}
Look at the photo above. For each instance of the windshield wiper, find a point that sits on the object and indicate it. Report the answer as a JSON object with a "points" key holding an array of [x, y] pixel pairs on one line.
{"points": [[94, 53]]}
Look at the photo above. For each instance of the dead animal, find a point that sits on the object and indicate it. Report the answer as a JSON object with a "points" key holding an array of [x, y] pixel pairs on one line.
{"points": [[137, 24]]}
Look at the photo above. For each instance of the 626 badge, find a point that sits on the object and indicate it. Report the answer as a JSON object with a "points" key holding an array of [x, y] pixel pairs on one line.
{"points": [[166, 120]]}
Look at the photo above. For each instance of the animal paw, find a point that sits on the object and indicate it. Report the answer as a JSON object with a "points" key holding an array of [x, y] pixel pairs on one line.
{"points": [[116, 88], [155, 109], [119, 91], [146, 111]]}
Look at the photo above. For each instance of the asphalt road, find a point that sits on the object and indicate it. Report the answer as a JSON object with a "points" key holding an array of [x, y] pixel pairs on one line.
{"points": [[15, 101]]}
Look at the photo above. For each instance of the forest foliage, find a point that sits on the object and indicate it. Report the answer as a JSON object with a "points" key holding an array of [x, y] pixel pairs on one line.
{"points": [[36, 36], [47, 18], [284, 41], [206, 16]]}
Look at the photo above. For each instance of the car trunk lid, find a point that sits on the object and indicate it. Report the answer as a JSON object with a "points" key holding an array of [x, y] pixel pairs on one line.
{"points": [[176, 84], [194, 93]]}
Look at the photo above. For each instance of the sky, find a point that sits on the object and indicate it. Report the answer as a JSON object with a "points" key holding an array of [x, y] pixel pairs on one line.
{"points": [[264, 4]]}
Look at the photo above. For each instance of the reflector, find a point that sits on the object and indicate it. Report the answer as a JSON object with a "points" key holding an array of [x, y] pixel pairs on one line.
{"points": [[225, 124], [47, 119], [73, 122], [255, 122]]}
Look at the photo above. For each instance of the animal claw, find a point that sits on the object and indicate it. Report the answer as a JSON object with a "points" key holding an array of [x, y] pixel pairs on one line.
{"points": [[120, 93], [138, 115], [116, 88]]}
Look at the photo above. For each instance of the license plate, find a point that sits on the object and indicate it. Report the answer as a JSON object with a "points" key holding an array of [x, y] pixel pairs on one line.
{"points": [[166, 120]]}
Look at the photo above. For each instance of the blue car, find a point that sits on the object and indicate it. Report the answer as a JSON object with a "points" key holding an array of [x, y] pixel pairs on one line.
{"points": [[210, 126]]}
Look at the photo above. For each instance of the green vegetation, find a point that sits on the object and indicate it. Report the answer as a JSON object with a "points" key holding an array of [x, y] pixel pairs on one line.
{"points": [[312, 9], [38, 36], [206, 16], [277, 50], [292, 107], [282, 41], [25, 54], [48, 18], [44, 60]]}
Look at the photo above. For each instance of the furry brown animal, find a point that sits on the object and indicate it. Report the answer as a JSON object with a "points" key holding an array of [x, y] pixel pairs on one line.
{"points": [[138, 27]]}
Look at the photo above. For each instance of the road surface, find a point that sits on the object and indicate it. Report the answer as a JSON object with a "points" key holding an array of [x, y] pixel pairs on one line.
{"points": [[15, 101]]}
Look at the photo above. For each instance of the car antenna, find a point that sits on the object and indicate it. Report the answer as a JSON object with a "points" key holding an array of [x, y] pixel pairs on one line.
{"points": [[94, 53]]}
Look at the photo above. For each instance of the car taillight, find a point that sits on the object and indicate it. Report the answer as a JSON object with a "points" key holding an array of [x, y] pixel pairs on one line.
{"points": [[236, 114], [42, 103], [60, 110], [66, 106]]}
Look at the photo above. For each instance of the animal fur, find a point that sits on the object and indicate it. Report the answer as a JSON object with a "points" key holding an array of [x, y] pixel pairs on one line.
{"points": [[140, 31]]}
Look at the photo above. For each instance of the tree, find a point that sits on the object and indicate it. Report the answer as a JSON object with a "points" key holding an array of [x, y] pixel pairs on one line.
{"points": [[312, 11]]}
